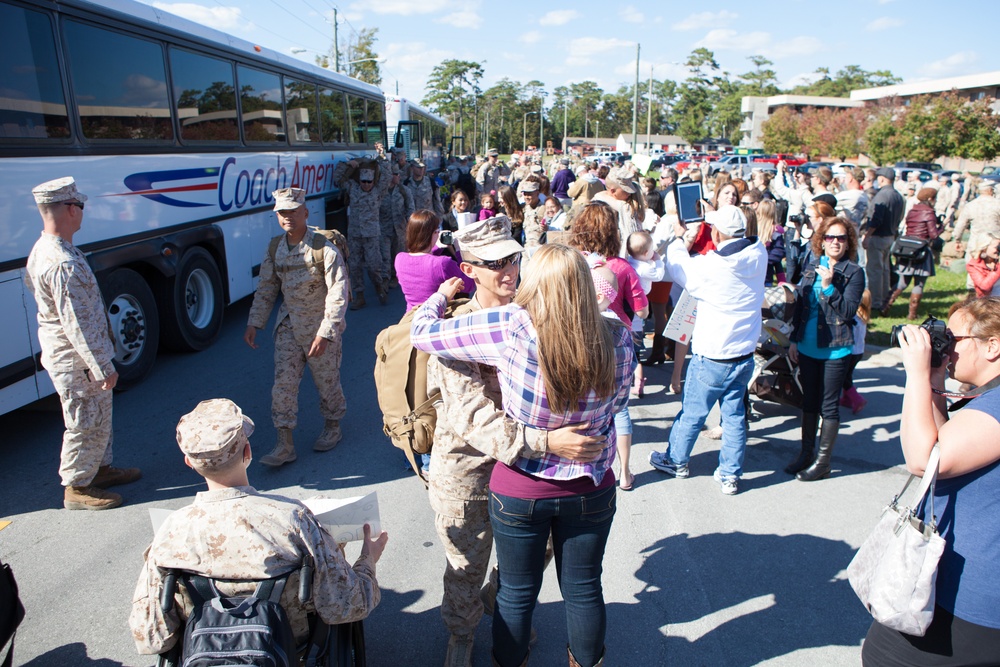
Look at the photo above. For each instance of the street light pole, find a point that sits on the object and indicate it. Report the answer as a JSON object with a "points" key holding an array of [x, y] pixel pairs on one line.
{"points": [[649, 114], [635, 101], [541, 124]]}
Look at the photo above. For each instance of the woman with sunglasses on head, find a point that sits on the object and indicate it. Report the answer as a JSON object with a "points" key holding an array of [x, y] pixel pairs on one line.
{"points": [[822, 339], [965, 630], [425, 264], [559, 362]]}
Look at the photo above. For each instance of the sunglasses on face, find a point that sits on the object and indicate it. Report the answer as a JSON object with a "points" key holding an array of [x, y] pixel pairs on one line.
{"points": [[367, 182], [78, 204], [839, 238], [498, 264]]}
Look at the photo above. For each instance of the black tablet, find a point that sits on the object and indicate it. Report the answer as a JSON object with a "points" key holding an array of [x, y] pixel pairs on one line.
{"points": [[689, 201]]}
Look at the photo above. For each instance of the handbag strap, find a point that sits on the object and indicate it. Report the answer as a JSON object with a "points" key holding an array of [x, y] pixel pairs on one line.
{"points": [[927, 482]]}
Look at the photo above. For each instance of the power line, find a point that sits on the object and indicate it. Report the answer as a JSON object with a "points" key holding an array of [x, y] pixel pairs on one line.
{"points": [[298, 18]]}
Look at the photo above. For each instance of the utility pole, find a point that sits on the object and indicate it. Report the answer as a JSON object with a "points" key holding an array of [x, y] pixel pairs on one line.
{"points": [[565, 144], [635, 101], [541, 126], [649, 114], [336, 45]]}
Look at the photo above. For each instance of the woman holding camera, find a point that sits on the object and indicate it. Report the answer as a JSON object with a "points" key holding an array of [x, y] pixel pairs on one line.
{"points": [[966, 625], [822, 339], [425, 265]]}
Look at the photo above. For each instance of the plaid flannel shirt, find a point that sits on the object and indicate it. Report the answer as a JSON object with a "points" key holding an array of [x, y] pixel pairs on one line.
{"points": [[506, 339]]}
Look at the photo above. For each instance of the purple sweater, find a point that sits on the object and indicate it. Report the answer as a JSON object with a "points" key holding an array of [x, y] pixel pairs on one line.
{"points": [[420, 275]]}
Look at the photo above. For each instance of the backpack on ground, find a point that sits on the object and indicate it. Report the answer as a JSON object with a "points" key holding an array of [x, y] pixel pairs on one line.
{"points": [[331, 235], [11, 612], [408, 413]]}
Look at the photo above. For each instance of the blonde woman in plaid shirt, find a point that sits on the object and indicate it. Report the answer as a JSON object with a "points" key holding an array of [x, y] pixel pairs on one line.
{"points": [[559, 362]]}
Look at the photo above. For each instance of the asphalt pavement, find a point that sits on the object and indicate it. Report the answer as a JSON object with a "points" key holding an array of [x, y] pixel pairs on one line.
{"points": [[691, 577]]}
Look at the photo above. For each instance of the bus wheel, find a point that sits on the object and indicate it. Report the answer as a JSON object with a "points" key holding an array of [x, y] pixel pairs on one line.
{"points": [[135, 326], [196, 302]]}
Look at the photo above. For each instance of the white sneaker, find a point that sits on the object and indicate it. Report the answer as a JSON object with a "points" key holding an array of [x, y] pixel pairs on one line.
{"points": [[729, 484]]}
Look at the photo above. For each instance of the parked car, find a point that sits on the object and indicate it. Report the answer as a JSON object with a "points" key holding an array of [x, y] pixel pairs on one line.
{"points": [[946, 172], [927, 166], [990, 172], [787, 158], [924, 175], [734, 164]]}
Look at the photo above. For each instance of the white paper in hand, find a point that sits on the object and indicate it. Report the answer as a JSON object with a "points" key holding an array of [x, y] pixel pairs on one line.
{"points": [[345, 518]]}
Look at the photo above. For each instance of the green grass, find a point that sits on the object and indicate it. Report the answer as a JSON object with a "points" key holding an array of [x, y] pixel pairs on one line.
{"points": [[940, 292]]}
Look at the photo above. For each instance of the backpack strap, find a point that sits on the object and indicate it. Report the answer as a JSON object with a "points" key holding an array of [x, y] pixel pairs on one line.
{"points": [[272, 246]]}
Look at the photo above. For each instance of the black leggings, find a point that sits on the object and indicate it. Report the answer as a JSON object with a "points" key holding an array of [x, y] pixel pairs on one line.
{"points": [[949, 642], [918, 283]]}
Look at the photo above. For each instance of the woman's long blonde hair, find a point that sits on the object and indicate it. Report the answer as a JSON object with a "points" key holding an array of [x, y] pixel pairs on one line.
{"points": [[576, 344]]}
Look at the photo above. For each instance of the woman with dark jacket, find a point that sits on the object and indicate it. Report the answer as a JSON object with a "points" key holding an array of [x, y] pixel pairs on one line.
{"points": [[922, 223], [822, 338]]}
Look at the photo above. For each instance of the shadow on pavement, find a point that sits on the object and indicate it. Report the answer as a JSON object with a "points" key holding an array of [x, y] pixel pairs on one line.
{"points": [[71, 655]]}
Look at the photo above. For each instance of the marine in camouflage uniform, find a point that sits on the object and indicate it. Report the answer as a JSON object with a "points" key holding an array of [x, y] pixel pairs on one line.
{"points": [[77, 351], [365, 196], [492, 174], [397, 205], [236, 533], [423, 190], [309, 326]]}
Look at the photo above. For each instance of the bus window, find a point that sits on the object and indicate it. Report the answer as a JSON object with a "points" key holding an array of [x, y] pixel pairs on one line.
{"points": [[331, 104], [32, 105], [356, 113], [300, 115], [260, 105], [205, 97], [375, 119], [119, 83]]}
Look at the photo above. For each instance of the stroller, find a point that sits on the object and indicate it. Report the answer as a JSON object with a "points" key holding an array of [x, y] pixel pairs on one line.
{"points": [[775, 377]]}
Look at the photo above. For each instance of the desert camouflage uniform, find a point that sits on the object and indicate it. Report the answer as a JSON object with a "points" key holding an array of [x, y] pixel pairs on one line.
{"points": [[472, 433], [397, 206], [533, 228], [315, 299], [73, 331], [490, 177], [982, 216], [520, 173], [238, 533], [424, 195], [363, 224]]}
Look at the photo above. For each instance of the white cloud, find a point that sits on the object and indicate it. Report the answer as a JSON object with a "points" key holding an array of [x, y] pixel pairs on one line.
{"points": [[724, 39], [632, 15], [412, 62], [705, 20], [220, 18], [582, 49], [559, 17], [531, 37], [403, 7], [352, 16], [953, 64], [883, 23], [462, 19], [661, 71]]}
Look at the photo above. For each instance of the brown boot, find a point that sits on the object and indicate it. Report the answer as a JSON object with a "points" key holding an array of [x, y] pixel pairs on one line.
{"points": [[111, 476], [329, 438], [892, 299], [90, 498], [914, 304], [574, 663], [283, 452], [357, 301]]}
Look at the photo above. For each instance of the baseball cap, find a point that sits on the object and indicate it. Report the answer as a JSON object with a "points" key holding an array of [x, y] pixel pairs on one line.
{"points": [[729, 220]]}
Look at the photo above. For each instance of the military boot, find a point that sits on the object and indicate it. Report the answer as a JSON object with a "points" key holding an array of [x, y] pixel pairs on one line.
{"points": [[383, 293], [90, 498], [329, 438], [283, 452], [459, 651], [357, 301], [111, 476]]}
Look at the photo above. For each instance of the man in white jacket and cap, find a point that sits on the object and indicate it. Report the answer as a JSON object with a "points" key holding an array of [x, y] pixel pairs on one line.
{"points": [[728, 284]]}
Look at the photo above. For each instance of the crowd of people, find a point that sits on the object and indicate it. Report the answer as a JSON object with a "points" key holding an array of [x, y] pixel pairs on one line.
{"points": [[565, 273]]}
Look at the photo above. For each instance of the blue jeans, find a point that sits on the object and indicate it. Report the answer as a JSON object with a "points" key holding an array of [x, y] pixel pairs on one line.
{"points": [[579, 526], [707, 382]]}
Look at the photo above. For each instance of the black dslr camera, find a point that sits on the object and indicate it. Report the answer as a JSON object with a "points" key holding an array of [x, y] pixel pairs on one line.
{"points": [[941, 339]]}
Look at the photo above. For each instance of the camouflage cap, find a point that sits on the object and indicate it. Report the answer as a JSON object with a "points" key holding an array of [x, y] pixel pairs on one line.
{"points": [[528, 186], [620, 178], [288, 199], [213, 433], [418, 163], [57, 191], [492, 152], [488, 239]]}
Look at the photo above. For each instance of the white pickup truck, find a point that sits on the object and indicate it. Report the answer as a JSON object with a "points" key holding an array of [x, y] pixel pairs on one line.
{"points": [[737, 165]]}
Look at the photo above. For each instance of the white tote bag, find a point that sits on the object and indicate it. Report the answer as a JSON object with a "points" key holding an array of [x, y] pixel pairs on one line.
{"points": [[895, 571]]}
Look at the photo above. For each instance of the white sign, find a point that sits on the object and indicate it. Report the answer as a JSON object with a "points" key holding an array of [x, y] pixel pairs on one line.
{"points": [[681, 323]]}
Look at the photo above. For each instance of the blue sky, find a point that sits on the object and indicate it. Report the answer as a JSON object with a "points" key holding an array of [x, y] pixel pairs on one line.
{"points": [[561, 42]]}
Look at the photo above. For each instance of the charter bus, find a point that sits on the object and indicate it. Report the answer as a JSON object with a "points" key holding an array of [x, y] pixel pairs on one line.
{"points": [[417, 131], [178, 134]]}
